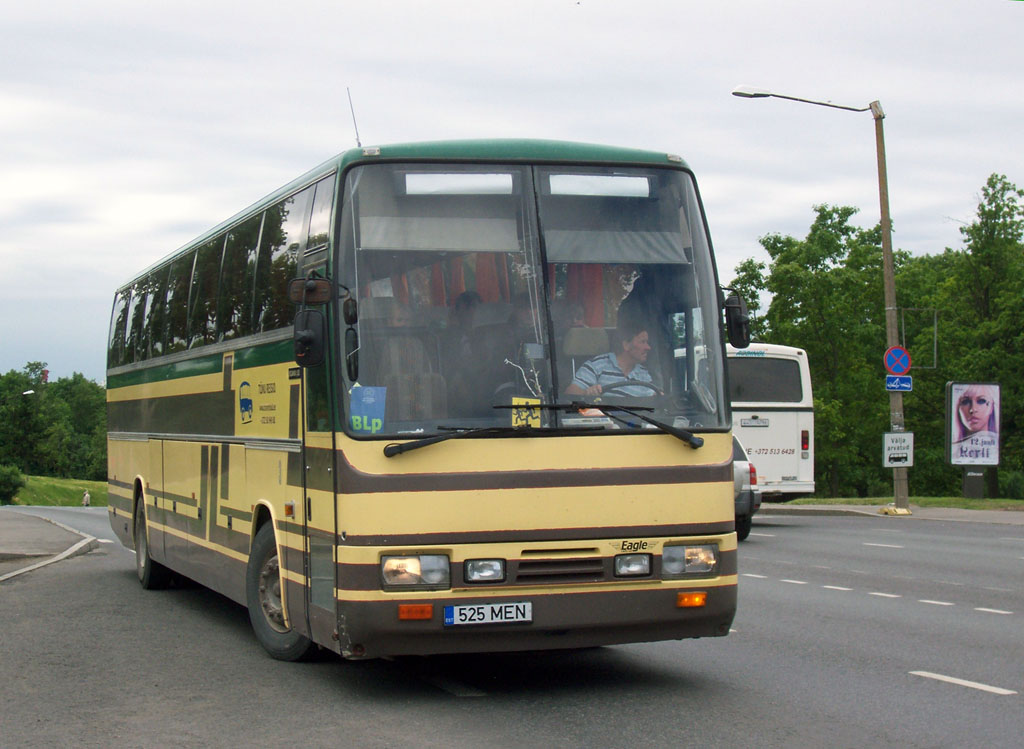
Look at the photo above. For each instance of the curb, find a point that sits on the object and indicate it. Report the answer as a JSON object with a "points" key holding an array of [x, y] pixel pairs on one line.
{"points": [[87, 544], [849, 511]]}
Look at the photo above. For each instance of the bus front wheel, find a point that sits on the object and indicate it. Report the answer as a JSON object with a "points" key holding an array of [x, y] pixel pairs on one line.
{"points": [[266, 607]]}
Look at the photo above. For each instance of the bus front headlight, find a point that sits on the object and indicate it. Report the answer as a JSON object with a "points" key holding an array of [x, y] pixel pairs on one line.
{"points": [[421, 570], [683, 561], [485, 570]]}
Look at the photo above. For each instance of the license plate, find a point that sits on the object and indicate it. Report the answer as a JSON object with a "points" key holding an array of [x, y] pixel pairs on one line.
{"points": [[753, 422], [515, 612]]}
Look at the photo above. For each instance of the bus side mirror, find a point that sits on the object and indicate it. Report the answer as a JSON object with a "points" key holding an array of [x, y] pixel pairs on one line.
{"points": [[310, 333], [737, 321], [352, 353]]}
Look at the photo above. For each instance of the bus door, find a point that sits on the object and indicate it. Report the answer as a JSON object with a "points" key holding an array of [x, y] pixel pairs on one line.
{"points": [[319, 516]]}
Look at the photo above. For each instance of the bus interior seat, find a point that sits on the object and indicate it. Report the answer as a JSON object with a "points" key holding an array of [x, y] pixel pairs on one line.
{"points": [[416, 396], [581, 345], [402, 359]]}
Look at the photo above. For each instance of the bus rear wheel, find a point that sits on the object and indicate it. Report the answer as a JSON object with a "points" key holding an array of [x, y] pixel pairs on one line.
{"points": [[266, 606], [152, 575]]}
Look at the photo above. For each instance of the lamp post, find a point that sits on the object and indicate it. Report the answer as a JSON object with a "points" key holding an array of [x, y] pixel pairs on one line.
{"points": [[902, 503]]}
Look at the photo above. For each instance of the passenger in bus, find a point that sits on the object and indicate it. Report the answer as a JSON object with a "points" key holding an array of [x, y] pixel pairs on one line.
{"points": [[626, 363]]}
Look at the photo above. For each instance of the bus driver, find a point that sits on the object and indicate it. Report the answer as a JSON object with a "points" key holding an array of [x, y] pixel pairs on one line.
{"points": [[620, 367]]}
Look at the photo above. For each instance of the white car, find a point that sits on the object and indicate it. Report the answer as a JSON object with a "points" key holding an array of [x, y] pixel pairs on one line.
{"points": [[748, 494]]}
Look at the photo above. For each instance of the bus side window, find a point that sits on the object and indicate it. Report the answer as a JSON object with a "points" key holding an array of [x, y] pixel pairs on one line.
{"points": [[134, 347], [202, 316], [280, 246], [234, 298], [118, 321], [177, 303], [320, 220], [153, 328]]}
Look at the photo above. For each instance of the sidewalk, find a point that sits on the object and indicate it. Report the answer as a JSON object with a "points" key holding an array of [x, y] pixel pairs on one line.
{"points": [[999, 517], [29, 541]]}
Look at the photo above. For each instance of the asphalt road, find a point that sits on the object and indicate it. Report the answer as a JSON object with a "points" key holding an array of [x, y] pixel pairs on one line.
{"points": [[849, 633]]}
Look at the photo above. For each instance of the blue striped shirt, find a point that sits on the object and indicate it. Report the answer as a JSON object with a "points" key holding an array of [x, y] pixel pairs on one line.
{"points": [[603, 370]]}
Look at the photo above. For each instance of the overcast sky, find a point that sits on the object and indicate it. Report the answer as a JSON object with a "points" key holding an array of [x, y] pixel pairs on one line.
{"points": [[128, 128]]}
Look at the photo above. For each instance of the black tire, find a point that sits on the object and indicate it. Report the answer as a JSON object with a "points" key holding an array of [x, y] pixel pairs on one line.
{"points": [[152, 575], [263, 595], [743, 523]]}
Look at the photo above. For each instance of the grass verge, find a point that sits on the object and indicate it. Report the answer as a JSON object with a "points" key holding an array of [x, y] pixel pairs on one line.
{"points": [[958, 502], [51, 492]]}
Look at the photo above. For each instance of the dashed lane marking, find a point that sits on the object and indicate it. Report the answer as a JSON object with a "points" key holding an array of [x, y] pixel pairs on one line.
{"points": [[993, 611], [836, 587], [964, 683], [885, 595], [884, 546], [751, 574], [935, 603], [795, 582]]}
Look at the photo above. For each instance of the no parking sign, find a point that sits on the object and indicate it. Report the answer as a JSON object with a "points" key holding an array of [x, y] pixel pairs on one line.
{"points": [[897, 360]]}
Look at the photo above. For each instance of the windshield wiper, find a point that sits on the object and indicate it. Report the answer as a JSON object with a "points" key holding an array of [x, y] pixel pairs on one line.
{"points": [[397, 448], [610, 410]]}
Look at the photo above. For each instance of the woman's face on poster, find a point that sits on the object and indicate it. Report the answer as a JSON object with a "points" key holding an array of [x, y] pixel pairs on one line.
{"points": [[975, 407]]}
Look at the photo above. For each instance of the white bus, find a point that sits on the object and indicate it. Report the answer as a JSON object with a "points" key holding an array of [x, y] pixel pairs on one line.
{"points": [[773, 416]]}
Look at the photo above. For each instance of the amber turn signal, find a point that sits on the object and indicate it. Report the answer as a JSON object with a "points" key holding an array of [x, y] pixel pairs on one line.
{"points": [[415, 611], [691, 600]]}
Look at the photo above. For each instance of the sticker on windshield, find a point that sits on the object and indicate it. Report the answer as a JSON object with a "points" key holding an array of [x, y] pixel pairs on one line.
{"points": [[367, 407], [523, 415]]}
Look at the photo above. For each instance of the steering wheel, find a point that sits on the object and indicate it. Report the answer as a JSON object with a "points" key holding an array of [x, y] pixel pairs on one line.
{"points": [[611, 386]]}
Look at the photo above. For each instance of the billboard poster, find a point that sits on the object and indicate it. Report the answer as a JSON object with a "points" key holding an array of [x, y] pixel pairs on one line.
{"points": [[972, 418]]}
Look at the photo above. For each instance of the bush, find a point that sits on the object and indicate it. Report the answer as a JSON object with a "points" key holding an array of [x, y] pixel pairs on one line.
{"points": [[11, 480], [1011, 484]]}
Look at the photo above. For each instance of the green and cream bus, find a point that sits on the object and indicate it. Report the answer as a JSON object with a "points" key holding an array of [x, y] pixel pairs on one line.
{"points": [[345, 407]]}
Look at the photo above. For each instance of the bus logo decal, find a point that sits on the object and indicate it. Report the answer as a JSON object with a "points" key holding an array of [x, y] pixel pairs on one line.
{"points": [[245, 402]]}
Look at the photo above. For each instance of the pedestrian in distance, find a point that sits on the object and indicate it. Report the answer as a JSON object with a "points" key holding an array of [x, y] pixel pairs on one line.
{"points": [[86, 499]]}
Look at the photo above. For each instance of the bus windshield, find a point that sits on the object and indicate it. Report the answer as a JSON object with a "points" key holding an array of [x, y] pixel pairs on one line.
{"points": [[483, 288]]}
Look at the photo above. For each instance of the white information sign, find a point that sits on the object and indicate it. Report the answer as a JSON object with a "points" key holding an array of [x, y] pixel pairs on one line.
{"points": [[898, 450]]}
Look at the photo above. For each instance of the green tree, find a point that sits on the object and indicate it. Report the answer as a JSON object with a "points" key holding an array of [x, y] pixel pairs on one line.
{"points": [[826, 297], [11, 481], [981, 303], [52, 428]]}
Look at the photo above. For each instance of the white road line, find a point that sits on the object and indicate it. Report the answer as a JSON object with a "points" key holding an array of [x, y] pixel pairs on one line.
{"points": [[835, 587], [993, 611], [964, 683], [795, 582], [751, 574], [884, 546], [935, 603], [885, 595], [764, 535]]}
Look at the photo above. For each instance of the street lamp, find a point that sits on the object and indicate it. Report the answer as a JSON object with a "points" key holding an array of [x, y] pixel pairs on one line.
{"points": [[902, 502]]}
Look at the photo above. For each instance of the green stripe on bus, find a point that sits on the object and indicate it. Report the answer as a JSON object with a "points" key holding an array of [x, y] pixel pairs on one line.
{"points": [[261, 355]]}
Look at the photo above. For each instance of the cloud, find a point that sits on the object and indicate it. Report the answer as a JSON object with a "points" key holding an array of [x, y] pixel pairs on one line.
{"points": [[128, 129]]}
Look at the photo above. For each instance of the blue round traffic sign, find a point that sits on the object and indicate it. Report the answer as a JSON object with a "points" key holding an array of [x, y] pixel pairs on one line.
{"points": [[897, 360]]}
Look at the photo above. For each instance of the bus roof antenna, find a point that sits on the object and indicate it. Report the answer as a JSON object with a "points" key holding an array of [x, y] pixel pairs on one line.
{"points": [[354, 125]]}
